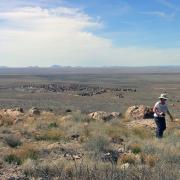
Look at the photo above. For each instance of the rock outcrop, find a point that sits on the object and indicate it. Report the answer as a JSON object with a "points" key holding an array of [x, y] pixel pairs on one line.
{"points": [[11, 112], [105, 116], [139, 112], [10, 115]]}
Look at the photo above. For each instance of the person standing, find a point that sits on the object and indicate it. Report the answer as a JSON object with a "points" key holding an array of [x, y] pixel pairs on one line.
{"points": [[160, 110]]}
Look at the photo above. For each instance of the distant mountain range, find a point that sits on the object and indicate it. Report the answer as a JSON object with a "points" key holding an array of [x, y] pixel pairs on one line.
{"points": [[57, 69]]}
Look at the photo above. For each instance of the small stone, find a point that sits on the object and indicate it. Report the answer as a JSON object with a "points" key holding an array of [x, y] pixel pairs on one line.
{"points": [[34, 111], [125, 166]]}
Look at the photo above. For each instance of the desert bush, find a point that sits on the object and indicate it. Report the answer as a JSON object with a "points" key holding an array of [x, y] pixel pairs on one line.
{"points": [[86, 131], [12, 141], [149, 159], [97, 145]]}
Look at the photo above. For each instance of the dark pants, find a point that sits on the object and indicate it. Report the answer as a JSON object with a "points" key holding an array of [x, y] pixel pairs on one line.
{"points": [[161, 126]]}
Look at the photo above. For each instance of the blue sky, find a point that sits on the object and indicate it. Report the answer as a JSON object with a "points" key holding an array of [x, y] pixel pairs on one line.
{"points": [[153, 23], [89, 33]]}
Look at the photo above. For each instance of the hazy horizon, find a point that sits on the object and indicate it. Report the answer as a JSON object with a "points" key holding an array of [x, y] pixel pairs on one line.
{"points": [[61, 66]]}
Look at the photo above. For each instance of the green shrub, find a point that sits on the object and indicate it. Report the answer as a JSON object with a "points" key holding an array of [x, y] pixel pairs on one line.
{"points": [[12, 141], [13, 159], [53, 125], [135, 148]]}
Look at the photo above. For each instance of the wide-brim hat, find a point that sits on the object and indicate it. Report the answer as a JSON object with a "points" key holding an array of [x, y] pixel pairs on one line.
{"points": [[163, 96]]}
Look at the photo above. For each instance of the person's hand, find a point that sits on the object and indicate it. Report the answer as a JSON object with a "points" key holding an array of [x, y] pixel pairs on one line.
{"points": [[162, 114]]}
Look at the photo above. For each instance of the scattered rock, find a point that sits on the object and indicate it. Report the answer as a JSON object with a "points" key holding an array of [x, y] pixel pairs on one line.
{"points": [[111, 156], [125, 166], [75, 136]]}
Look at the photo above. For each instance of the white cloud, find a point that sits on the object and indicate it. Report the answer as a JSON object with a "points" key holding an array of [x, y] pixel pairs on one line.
{"points": [[37, 36], [159, 14], [168, 4]]}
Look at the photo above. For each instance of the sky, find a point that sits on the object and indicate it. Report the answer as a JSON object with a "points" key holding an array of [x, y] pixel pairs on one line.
{"points": [[89, 33]]}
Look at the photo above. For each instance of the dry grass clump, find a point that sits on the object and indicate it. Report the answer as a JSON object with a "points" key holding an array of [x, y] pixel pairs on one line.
{"points": [[149, 159], [92, 130], [49, 135], [29, 167], [79, 117], [97, 144], [142, 133], [128, 158], [85, 134], [76, 116], [115, 131]]}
